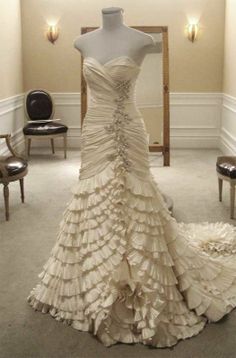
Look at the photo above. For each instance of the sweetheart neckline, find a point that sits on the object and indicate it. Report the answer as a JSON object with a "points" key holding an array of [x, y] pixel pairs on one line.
{"points": [[112, 60]]}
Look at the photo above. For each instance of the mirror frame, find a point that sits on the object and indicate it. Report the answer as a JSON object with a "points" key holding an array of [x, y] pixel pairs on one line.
{"points": [[164, 148]]}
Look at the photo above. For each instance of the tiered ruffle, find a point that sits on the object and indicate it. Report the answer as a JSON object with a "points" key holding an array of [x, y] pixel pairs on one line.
{"points": [[123, 269]]}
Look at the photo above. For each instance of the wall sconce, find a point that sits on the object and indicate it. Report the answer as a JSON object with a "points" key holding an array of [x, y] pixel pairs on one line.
{"points": [[192, 31], [52, 33]]}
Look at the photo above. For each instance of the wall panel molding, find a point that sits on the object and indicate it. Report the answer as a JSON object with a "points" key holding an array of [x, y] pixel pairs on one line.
{"points": [[12, 121], [228, 125], [11, 104], [198, 120], [195, 120]]}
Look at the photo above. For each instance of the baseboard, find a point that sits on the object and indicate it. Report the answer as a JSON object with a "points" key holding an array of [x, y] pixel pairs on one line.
{"points": [[194, 142]]}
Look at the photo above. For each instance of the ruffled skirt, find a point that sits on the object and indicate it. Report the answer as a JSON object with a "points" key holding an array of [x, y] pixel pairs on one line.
{"points": [[123, 269]]}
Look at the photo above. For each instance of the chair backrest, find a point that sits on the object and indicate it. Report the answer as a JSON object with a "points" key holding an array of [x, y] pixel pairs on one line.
{"points": [[39, 105]]}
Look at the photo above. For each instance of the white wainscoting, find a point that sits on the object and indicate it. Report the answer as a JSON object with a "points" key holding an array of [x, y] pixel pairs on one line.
{"points": [[11, 121], [67, 107], [228, 125], [195, 120]]}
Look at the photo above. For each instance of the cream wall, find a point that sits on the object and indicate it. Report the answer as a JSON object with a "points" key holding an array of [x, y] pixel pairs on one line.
{"points": [[230, 49], [228, 123], [11, 49], [196, 70], [193, 67], [11, 82]]}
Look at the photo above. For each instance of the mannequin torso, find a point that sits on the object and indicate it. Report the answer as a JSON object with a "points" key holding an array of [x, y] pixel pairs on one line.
{"points": [[114, 39]]}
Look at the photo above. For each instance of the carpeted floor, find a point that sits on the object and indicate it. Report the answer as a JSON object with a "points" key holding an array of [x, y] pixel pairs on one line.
{"points": [[26, 240]]}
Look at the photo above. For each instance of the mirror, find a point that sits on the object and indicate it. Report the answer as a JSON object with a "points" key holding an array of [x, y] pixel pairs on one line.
{"points": [[152, 91]]}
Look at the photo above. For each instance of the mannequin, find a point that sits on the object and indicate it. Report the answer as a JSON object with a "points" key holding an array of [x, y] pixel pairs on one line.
{"points": [[114, 39]]}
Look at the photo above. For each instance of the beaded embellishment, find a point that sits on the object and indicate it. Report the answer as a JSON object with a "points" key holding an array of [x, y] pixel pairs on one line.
{"points": [[116, 127]]}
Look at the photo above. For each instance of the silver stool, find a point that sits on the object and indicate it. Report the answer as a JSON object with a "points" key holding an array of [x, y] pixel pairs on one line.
{"points": [[226, 170]]}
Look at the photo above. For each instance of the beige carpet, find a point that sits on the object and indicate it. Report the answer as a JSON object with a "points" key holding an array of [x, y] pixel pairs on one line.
{"points": [[25, 243]]}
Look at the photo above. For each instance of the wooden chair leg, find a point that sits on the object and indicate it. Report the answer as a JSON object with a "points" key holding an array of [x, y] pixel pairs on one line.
{"points": [[26, 147], [6, 200], [232, 200], [166, 158], [220, 183], [29, 145], [22, 190], [65, 145], [52, 145]]}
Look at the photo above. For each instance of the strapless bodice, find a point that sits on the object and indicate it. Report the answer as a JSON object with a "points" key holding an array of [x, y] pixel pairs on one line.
{"points": [[106, 81], [113, 127]]}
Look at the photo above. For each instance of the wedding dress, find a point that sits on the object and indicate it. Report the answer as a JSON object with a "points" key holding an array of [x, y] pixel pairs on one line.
{"points": [[122, 268]]}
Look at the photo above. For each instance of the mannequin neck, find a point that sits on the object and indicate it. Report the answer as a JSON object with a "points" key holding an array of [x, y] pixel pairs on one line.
{"points": [[112, 18]]}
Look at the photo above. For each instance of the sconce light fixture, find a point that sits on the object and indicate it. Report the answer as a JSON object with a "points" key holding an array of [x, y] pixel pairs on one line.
{"points": [[192, 30], [52, 33]]}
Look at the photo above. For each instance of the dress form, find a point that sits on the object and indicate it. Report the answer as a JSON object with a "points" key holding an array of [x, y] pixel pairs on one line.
{"points": [[114, 39]]}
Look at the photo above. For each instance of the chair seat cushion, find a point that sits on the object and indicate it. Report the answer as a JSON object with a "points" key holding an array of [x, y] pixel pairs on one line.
{"points": [[226, 169], [44, 128], [13, 165]]}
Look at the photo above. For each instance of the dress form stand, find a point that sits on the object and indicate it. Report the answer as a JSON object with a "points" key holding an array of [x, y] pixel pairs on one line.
{"points": [[114, 39]]}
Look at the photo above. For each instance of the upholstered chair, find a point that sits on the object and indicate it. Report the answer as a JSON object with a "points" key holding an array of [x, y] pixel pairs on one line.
{"points": [[39, 110], [226, 170], [12, 167]]}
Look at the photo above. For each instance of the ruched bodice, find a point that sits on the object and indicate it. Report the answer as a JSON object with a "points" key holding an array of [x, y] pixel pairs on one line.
{"points": [[122, 267], [104, 80], [113, 126]]}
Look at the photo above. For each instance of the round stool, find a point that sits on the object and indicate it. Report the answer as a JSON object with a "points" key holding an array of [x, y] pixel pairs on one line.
{"points": [[226, 170]]}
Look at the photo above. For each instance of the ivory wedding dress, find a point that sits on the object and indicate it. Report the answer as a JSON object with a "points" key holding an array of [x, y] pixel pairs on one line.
{"points": [[122, 267]]}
